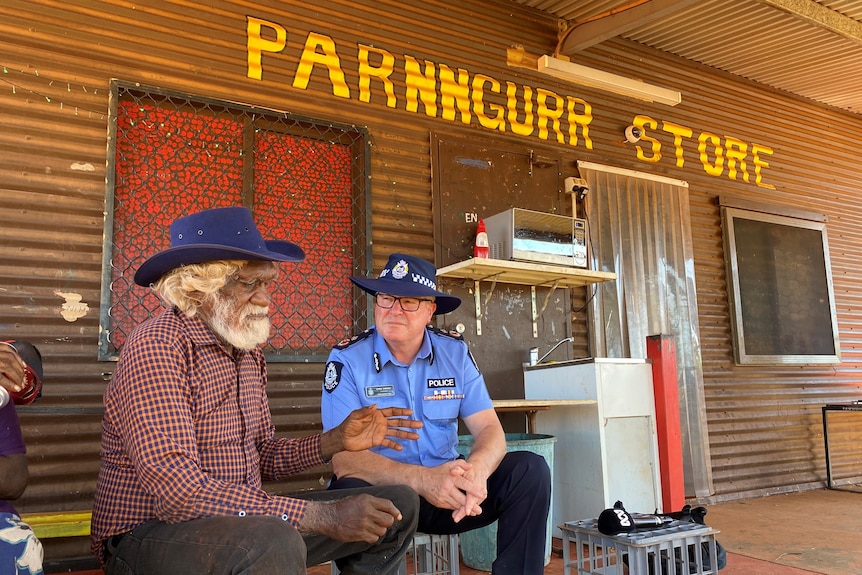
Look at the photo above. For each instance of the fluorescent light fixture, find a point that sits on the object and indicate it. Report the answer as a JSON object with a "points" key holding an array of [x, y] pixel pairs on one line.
{"points": [[593, 78]]}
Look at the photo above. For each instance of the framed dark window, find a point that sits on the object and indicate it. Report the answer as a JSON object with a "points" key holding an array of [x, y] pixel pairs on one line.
{"points": [[780, 288], [304, 180]]}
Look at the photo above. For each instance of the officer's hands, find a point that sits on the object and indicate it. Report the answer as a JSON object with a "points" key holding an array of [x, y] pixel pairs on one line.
{"points": [[473, 498], [370, 427], [355, 518], [454, 485]]}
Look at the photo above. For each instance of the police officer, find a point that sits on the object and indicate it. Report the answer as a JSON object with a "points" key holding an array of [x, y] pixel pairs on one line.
{"points": [[403, 362]]}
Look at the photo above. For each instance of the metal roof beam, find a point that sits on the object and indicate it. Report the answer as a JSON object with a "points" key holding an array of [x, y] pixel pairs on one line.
{"points": [[819, 15], [580, 36]]}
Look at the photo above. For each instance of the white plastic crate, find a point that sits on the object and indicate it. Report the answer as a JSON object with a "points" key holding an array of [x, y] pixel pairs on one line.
{"points": [[676, 549], [428, 555], [433, 555]]}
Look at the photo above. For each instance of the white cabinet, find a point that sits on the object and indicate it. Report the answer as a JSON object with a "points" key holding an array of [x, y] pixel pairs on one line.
{"points": [[607, 451]]}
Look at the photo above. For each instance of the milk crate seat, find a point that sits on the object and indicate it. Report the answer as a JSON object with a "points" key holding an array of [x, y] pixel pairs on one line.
{"points": [[428, 555], [681, 548]]}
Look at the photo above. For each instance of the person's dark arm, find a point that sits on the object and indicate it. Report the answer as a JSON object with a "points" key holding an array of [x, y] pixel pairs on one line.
{"points": [[13, 476], [20, 371], [369, 427], [12, 375], [360, 517]]}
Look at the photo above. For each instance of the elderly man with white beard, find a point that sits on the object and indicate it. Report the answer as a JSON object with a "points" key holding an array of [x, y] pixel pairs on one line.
{"points": [[187, 435]]}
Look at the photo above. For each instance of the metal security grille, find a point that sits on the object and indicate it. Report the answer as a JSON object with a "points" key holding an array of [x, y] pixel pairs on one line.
{"points": [[305, 181]]}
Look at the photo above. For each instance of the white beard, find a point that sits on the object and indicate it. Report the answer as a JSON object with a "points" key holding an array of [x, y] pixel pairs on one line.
{"points": [[235, 326]]}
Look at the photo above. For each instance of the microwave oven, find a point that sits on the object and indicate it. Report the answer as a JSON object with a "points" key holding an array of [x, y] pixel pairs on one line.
{"points": [[538, 237]]}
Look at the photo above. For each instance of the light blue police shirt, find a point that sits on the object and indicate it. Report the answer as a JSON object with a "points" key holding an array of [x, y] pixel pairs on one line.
{"points": [[441, 385]]}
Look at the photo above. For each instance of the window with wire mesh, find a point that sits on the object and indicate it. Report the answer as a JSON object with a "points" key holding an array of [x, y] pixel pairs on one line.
{"points": [[303, 180]]}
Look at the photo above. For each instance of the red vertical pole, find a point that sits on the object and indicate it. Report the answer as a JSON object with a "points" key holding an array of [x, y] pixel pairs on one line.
{"points": [[661, 351]]}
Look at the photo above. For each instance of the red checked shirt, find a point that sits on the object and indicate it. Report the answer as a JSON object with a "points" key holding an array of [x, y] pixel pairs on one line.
{"points": [[187, 433]]}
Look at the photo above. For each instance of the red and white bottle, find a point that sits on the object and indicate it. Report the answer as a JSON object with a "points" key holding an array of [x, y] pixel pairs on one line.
{"points": [[481, 249]]}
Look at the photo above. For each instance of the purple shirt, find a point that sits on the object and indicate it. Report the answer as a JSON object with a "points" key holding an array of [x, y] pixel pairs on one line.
{"points": [[187, 433], [11, 442]]}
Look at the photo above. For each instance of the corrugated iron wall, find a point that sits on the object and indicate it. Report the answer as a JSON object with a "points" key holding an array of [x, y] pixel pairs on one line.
{"points": [[58, 59], [57, 62]]}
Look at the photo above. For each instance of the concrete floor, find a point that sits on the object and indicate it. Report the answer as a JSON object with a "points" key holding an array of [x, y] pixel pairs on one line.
{"points": [[736, 565], [794, 534], [816, 531], [819, 530]]}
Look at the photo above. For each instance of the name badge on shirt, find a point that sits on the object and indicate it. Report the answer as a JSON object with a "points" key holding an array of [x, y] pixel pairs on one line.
{"points": [[380, 391]]}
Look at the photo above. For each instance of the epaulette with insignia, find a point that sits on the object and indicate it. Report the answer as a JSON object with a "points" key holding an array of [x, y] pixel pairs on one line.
{"points": [[448, 333], [344, 343]]}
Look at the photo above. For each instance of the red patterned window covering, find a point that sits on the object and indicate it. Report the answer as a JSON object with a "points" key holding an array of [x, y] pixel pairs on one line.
{"points": [[308, 195], [303, 182]]}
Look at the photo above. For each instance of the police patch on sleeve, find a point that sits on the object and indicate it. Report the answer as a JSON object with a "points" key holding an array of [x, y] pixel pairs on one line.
{"points": [[332, 375]]}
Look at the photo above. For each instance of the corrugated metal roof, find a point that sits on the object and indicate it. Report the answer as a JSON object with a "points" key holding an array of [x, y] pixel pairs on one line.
{"points": [[809, 48]]}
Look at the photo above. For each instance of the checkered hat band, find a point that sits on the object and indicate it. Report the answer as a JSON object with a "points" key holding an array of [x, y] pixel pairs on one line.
{"points": [[414, 277], [418, 279]]}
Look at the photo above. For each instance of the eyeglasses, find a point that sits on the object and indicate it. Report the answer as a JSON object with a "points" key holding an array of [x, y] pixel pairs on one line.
{"points": [[386, 301], [251, 286]]}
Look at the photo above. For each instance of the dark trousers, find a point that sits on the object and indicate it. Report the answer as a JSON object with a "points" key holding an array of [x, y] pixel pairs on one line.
{"points": [[519, 498], [260, 544]]}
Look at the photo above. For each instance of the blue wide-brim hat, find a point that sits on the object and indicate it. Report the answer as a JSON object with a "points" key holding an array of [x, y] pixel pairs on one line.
{"points": [[211, 235], [409, 276]]}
